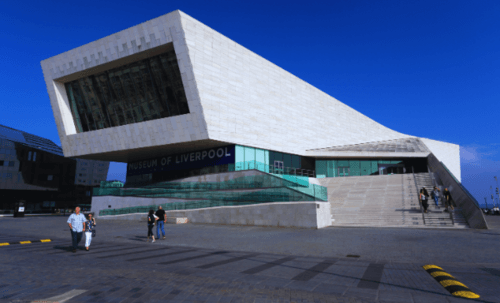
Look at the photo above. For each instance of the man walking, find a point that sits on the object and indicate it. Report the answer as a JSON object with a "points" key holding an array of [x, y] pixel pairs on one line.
{"points": [[162, 219], [75, 222], [435, 195]]}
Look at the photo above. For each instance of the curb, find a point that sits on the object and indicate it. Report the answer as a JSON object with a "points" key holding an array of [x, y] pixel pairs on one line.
{"points": [[449, 282], [25, 242]]}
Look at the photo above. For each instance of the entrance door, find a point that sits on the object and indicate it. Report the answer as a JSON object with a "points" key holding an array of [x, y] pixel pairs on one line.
{"points": [[279, 167], [382, 169], [343, 171]]}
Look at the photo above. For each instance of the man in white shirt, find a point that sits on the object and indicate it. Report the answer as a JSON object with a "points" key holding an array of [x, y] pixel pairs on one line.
{"points": [[75, 222]]}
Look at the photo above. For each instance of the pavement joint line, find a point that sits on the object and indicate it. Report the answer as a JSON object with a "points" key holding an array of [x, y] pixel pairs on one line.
{"points": [[25, 242], [100, 246], [162, 255], [449, 282], [134, 252], [109, 250]]}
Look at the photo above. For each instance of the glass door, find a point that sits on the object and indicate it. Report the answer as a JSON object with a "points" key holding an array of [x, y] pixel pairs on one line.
{"points": [[279, 167], [343, 171]]}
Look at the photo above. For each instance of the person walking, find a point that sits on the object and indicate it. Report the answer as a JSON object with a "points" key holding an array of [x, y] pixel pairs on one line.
{"points": [[89, 229], [151, 222], [447, 199], [162, 219], [75, 222], [435, 195], [424, 196]]}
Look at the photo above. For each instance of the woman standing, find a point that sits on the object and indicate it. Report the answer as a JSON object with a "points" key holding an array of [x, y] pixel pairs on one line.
{"points": [[89, 229], [424, 196], [151, 222]]}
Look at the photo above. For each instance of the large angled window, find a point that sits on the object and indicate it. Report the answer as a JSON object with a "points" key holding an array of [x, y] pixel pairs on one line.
{"points": [[141, 91]]}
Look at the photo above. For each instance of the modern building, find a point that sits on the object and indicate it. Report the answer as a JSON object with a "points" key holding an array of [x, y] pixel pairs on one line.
{"points": [[34, 170], [175, 99]]}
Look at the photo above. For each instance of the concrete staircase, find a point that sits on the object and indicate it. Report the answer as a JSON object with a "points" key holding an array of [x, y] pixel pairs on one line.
{"points": [[381, 201], [436, 216]]}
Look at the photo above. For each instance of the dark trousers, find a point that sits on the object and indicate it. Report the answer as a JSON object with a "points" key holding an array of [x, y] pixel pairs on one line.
{"points": [[77, 237], [425, 204], [150, 230]]}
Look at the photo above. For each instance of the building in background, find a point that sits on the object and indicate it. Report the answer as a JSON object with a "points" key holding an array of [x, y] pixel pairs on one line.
{"points": [[34, 169]]}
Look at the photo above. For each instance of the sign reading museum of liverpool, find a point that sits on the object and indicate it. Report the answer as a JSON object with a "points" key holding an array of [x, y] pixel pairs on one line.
{"points": [[198, 159]]}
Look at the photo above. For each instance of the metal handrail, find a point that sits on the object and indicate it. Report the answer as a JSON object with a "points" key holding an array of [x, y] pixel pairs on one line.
{"points": [[418, 195]]}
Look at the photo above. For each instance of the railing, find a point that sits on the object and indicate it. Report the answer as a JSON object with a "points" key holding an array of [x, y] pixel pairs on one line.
{"points": [[292, 171], [418, 195]]}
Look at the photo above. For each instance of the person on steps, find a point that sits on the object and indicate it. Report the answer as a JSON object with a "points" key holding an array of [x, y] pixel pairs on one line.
{"points": [[447, 199], [435, 195], [424, 197]]}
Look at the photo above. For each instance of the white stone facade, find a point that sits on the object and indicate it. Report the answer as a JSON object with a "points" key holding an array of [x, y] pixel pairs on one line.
{"points": [[234, 96], [280, 214]]}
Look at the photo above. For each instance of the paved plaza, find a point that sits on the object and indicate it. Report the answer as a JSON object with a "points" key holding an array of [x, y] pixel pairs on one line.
{"points": [[216, 263]]}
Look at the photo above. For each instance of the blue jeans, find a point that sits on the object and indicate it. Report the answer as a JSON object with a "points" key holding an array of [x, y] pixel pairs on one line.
{"points": [[160, 224], [76, 237], [436, 200]]}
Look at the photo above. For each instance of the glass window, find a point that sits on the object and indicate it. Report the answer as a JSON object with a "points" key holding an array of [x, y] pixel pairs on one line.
{"points": [[50, 177], [144, 90], [34, 156], [11, 163], [1, 162], [29, 156]]}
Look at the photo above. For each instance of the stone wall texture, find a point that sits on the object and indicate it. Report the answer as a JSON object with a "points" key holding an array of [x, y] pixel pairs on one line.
{"points": [[279, 214]]}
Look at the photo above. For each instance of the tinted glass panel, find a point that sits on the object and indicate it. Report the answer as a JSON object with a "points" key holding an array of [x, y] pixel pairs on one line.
{"points": [[144, 90]]}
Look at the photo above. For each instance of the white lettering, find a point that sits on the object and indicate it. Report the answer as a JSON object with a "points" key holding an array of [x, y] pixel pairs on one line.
{"points": [[185, 157], [198, 154], [191, 157], [177, 159], [211, 154], [163, 161], [227, 154], [221, 153], [169, 160], [154, 162], [203, 154]]}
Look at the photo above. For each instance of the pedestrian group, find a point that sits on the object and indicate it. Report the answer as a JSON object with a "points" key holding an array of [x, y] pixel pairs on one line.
{"points": [[77, 225]]}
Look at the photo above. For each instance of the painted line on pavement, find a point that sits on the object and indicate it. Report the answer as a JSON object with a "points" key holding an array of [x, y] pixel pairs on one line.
{"points": [[24, 242], [62, 298], [449, 282]]}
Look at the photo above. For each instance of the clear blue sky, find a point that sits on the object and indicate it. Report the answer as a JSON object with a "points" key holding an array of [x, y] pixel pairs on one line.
{"points": [[424, 68]]}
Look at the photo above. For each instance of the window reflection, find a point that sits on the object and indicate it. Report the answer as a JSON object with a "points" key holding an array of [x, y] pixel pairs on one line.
{"points": [[144, 90]]}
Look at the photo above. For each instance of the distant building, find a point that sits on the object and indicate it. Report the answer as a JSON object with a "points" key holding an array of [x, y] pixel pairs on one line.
{"points": [[35, 170]]}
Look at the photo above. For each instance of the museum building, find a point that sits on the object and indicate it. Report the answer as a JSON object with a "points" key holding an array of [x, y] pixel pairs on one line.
{"points": [[174, 99]]}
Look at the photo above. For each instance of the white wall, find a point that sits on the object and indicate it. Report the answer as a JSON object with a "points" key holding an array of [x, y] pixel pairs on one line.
{"points": [[279, 214], [159, 31], [448, 153]]}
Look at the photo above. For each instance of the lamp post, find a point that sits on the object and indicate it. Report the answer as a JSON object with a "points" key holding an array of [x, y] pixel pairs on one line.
{"points": [[498, 194], [486, 202]]}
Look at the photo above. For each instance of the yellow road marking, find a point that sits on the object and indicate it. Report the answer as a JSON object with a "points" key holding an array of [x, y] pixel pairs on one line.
{"points": [[466, 294], [25, 242], [4, 244], [426, 267], [447, 283], [45, 240], [441, 273]]}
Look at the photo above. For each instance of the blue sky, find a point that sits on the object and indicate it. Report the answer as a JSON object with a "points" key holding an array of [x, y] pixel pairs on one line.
{"points": [[424, 68]]}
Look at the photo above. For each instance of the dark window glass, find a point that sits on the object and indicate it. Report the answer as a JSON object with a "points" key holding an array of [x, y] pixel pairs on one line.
{"points": [[1, 162], [144, 90], [11, 163]]}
